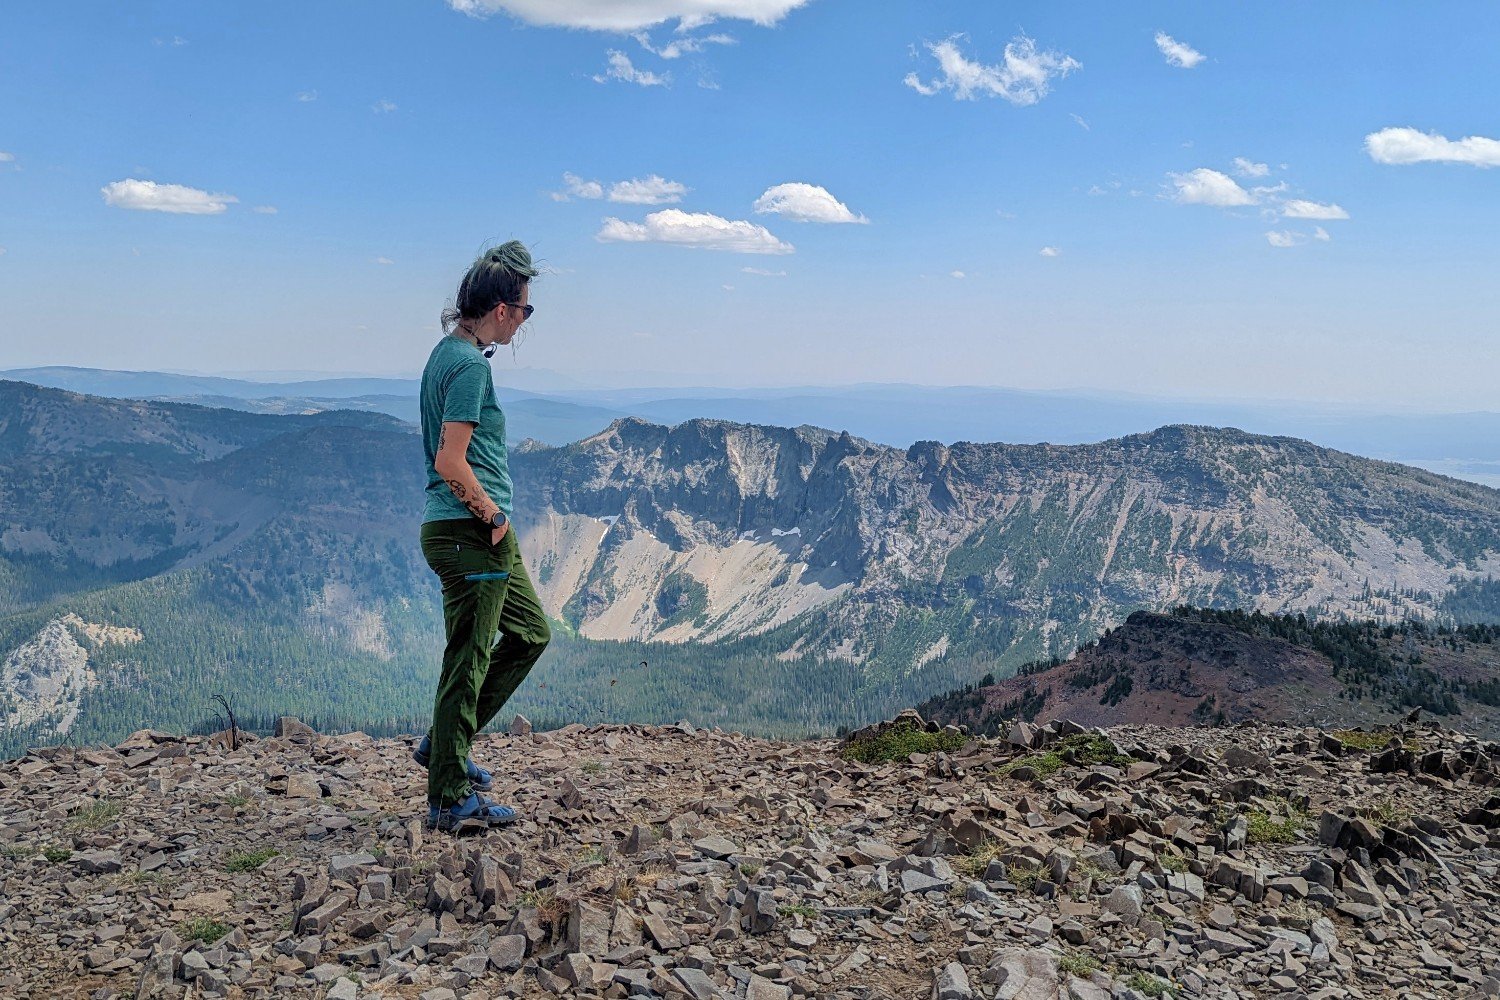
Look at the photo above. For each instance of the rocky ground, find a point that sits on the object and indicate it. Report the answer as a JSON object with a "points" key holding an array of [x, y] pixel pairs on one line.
{"points": [[1138, 861]]}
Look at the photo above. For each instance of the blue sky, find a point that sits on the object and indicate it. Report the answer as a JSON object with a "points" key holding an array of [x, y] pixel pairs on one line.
{"points": [[1182, 203]]}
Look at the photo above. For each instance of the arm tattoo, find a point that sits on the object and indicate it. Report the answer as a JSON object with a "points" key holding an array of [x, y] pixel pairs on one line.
{"points": [[442, 437], [458, 489]]}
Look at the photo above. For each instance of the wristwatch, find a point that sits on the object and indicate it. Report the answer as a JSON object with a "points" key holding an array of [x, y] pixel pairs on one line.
{"points": [[498, 521]]}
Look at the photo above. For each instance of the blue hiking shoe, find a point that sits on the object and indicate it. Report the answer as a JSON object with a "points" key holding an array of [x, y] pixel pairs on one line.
{"points": [[473, 809], [481, 779]]}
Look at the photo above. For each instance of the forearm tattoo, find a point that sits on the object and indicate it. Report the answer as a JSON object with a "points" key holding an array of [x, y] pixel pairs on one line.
{"points": [[458, 488]]}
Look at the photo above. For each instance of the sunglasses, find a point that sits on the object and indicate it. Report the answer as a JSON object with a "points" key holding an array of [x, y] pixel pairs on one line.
{"points": [[526, 310]]}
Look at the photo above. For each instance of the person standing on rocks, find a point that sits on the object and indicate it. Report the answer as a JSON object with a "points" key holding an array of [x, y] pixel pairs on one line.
{"points": [[467, 537]]}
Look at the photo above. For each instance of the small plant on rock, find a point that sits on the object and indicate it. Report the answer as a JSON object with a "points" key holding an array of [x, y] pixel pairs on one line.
{"points": [[1282, 827], [797, 910], [1151, 986], [249, 861], [1078, 963], [1358, 739], [973, 864], [56, 854], [95, 816], [1175, 863], [1022, 878], [205, 929]]}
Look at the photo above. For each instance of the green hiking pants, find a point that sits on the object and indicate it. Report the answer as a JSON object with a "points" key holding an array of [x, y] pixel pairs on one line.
{"points": [[485, 588]]}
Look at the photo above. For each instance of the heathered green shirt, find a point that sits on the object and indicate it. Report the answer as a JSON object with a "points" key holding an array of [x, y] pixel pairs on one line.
{"points": [[457, 385]]}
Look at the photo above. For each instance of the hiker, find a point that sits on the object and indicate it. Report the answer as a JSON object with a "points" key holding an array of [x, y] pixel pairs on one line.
{"points": [[468, 539]]}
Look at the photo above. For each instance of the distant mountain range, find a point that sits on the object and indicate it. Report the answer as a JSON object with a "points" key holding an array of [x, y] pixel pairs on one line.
{"points": [[152, 554], [555, 410]]}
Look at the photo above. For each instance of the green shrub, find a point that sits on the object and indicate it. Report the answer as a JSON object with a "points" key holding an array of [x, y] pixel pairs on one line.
{"points": [[56, 854], [1084, 748], [895, 744]]}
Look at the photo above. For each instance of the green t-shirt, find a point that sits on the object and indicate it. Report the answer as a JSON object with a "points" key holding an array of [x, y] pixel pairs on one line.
{"points": [[457, 385]]}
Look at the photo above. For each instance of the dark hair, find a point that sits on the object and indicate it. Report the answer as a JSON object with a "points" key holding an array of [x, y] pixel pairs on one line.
{"points": [[497, 276]]}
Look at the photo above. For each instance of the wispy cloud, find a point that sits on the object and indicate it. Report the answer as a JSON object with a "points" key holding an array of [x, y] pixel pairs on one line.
{"points": [[764, 273], [1298, 208], [1050, 252], [383, 260], [1177, 53], [680, 46], [306, 96], [1023, 76], [956, 274], [264, 210], [622, 69], [653, 190], [1078, 120], [630, 15], [694, 229], [7, 157], [1283, 238], [1249, 168], [149, 196], [805, 203], [1402, 146], [1209, 187], [383, 107]]}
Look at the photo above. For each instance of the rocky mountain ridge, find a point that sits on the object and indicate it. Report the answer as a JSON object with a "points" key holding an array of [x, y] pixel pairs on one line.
{"points": [[272, 559], [674, 863]]}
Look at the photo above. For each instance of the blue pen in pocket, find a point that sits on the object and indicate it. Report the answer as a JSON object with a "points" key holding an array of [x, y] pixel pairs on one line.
{"points": [[486, 576]]}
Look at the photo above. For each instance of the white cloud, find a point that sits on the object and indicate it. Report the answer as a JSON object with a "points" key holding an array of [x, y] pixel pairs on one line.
{"points": [[150, 196], [693, 229], [1297, 208], [1023, 77], [653, 190], [264, 210], [764, 273], [7, 157], [1050, 252], [2, 251], [1178, 53], [384, 260], [804, 203], [1319, 233], [1209, 187], [577, 187], [307, 96], [1401, 146], [679, 46], [1283, 238], [621, 68], [1249, 168], [1080, 122], [383, 107], [955, 274], [630, 15]]}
